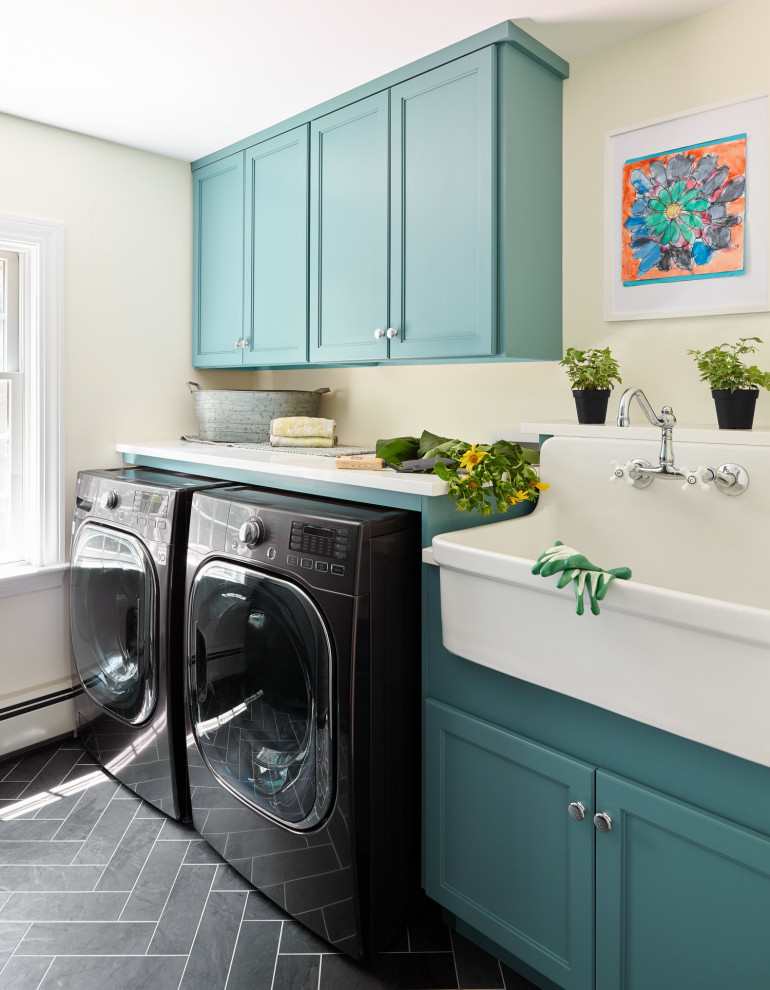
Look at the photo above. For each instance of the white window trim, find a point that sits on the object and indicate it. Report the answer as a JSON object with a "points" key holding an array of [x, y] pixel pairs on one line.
{"points": [[40, 245]]}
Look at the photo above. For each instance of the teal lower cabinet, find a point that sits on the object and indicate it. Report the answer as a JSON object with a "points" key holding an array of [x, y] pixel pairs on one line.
{"points": [[503, 853], [652, 893], [682, 896]]}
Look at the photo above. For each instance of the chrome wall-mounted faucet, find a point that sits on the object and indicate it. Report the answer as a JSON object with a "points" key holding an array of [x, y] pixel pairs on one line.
{"points": [[666, 421], [731, 479]]}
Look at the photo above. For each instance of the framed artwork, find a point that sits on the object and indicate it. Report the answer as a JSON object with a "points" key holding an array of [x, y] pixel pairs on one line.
{"points": [[687, 214]]}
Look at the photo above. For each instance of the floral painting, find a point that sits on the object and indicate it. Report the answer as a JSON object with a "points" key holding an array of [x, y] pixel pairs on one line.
{"points": [[684, 213]]}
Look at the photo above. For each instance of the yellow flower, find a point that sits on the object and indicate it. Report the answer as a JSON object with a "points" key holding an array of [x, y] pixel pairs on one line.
{"points": [[540, 485], [471, 458], [518, 497]]}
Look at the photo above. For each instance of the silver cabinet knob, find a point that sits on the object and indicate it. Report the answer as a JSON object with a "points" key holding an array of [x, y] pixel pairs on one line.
{"points": [[236, 344], [109, 500], [602, 821], [379, 334], [252, 532], [577, 811], [390, 333]]}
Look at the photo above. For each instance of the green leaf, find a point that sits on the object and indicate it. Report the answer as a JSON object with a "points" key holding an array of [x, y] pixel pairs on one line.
{"points": [[397, 450], [722, 368]]}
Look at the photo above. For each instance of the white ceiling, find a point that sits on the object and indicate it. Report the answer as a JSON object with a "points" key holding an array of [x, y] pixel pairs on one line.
{"points": [[186, 77]]}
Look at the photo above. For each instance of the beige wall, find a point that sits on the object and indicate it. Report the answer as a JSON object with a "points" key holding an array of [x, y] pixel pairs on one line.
{"points": [[654, 76], [717, 56], [128, 249]]}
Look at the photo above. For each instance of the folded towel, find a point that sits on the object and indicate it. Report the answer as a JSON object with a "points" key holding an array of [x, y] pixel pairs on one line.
{"points": [[580, 571], [302, 426], [302, 441]]}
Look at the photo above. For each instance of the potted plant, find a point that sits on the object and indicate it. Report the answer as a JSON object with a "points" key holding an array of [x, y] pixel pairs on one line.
{"points": [[591, 373], [734, 385]]}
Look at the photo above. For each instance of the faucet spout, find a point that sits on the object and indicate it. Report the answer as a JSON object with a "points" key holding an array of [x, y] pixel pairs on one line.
{"points": [[665, 423], [666, 419]]}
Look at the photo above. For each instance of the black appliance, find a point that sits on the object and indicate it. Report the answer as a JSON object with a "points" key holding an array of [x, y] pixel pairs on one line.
{"points": [[303, 733], [129, 544]]}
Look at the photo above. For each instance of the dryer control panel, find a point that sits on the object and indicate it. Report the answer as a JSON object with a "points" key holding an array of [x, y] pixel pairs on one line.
{"points": [[321, 551], [331, 544]]}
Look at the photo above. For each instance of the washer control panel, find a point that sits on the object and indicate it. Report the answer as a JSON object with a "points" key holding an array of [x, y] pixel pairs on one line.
{"points": [[144, 510]]}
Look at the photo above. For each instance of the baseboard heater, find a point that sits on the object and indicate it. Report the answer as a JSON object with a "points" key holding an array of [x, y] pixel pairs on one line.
{"points": [[33, 704], [37, 721]]}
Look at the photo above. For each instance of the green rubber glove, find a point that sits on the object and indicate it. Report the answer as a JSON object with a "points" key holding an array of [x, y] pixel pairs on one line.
{"points": [[578, 569]]}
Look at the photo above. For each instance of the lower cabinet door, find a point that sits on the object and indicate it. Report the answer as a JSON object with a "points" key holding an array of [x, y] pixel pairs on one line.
{"points": [[501, 850], [682, 897]]}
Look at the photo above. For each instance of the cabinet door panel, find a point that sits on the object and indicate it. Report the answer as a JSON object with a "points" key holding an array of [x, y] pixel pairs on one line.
{"points": [[277, 242], [218, 265], [682, 897], [502, 852], [349, 232], [443, 174]]}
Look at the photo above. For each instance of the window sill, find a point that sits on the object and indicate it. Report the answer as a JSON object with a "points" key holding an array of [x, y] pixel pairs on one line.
{"points": [[19, 580]]}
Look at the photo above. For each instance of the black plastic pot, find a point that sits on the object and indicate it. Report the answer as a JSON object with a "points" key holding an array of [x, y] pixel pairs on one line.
{"points": [[735, 410], [591, 404]]}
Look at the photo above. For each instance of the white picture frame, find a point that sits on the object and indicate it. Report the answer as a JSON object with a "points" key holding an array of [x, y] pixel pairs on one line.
{"points": [[744, 293]]}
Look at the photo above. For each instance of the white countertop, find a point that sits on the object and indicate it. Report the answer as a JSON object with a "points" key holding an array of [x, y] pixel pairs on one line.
{"points": [[686, 433], [281, 464]]}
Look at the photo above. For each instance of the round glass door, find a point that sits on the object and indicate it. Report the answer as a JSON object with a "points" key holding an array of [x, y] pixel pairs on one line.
{"points": [[260, 662], [112, 619]]}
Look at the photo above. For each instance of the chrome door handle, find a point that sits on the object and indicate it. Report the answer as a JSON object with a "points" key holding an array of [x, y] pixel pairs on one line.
{"points": [[576, 811], [602, 821]]}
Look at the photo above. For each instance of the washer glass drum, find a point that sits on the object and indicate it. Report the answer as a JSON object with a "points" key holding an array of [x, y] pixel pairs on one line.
{"points": [[112, 617], [260, 663]]}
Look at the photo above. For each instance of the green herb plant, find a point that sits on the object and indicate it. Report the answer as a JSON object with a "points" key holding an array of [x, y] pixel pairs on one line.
{"points": [[482, 477], [722, 367], [595, 368]]}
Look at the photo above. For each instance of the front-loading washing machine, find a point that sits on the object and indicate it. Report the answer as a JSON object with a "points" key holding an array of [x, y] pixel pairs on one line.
{"points": [[129, 543], [303, 687]]}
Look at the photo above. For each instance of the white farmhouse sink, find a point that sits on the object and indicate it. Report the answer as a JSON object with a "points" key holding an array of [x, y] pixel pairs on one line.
{"points": [[684, 645]]}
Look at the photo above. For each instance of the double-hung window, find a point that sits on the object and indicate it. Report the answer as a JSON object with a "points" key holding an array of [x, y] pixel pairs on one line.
{"points": [[31, 356], [11, 405]]}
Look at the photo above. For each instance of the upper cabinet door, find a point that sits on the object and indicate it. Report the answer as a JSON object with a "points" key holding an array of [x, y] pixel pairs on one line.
{"points": [[275, 290], [443, 181], [349, 233], [218, 264]]}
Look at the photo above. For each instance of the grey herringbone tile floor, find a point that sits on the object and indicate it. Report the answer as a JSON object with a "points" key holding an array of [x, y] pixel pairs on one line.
{"points": [[100, 890]]}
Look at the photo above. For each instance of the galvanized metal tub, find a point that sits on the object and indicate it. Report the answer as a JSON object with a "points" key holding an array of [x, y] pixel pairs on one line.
{"points": [[243, 415]]}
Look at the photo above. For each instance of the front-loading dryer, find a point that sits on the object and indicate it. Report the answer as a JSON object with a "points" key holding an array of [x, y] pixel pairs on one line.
{"points": [[303, 691], [129, 543]]}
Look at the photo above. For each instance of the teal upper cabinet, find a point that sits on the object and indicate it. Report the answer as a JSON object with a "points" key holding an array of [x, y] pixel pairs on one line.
{"points": [[443, 197], [349, 233], [432, 202], [275, 294], [218, 264]]}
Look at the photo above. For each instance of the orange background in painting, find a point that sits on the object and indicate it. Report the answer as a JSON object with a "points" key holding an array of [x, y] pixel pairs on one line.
{"points": [[730, 153]]}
